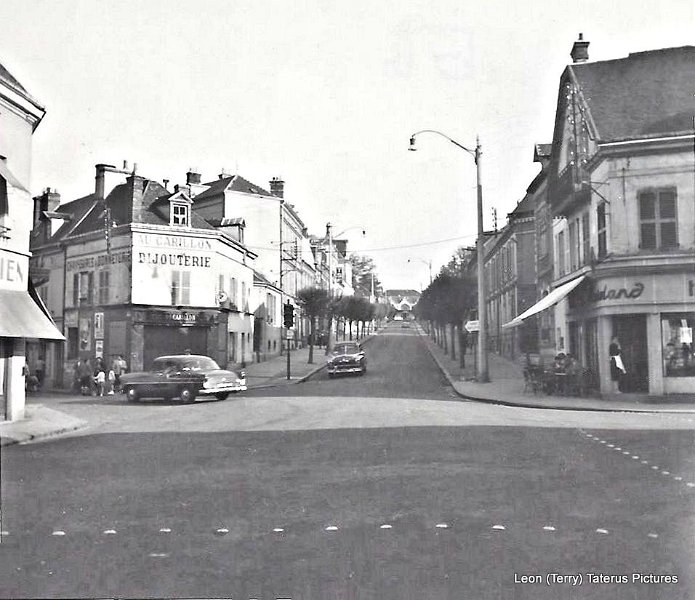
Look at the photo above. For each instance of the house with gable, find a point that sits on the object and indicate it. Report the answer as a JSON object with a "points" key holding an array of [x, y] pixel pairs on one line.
{"points": [[133, 271], [621, 185]]}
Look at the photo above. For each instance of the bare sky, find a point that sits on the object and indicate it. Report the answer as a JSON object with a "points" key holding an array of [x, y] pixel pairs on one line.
{"points": [[324, 94]]}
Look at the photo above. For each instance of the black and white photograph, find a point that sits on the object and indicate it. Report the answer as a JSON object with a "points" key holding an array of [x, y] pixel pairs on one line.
{"points": [[347, 300]]}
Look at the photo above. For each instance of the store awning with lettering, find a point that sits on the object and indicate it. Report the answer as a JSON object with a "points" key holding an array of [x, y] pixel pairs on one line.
{"points": [[550, 300], [21, 317]]}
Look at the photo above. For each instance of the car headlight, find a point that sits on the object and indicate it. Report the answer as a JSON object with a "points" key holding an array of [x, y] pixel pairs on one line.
{"points": [[207, 384]]}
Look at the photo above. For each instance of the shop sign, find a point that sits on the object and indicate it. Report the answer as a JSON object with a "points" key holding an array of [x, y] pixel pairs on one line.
{"points": [[99, 325], [92, 262], [85, 333], [607, 293], [172, 241], [13, 271], [184, 317], [174, 260], [99, 348]]}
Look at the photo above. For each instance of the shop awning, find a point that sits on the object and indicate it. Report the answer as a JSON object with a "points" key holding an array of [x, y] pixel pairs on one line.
{"points": [[550, 300], [21, 317]]}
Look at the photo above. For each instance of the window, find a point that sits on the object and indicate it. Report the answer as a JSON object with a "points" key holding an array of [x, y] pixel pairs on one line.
{"points": [[104, 277], [243, 295], [658, 223], [179, 215], [561, 253], [677, 344], [574, 238], [4, 205], [233, 295], [180, 287], [73, 342], [601, 227], [82, 288], [586, 247]]}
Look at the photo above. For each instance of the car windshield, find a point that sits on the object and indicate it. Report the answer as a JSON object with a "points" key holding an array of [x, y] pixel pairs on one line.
{"points": [[346, 349], [185, 363]]}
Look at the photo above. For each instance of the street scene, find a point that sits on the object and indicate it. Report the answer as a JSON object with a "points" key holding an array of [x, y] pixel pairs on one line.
{"points": [[347, 300]]}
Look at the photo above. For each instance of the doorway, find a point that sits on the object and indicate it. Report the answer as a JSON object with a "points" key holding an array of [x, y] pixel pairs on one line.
{"points": [[631, 331]]}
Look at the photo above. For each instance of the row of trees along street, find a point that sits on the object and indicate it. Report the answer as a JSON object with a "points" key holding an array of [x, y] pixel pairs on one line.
{"points": [[351, 313], [448, 302]]}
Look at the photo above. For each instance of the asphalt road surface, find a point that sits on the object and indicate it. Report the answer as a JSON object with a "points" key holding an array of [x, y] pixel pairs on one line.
{"points": [[382, 486]]}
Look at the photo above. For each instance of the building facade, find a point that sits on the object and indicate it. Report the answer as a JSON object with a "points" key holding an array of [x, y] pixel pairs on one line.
{"points": [[622, 179], [23, 318], [134, 272]]}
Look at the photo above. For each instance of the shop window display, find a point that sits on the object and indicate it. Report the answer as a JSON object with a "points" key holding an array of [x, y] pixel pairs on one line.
{"points": [[677, 343]]}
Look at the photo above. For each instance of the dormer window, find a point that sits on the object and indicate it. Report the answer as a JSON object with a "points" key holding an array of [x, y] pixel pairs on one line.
{"points": [[180, 215]]}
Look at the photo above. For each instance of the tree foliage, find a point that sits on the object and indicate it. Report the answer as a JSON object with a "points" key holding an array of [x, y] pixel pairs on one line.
{"points": [[315, 301], [363, 268]]}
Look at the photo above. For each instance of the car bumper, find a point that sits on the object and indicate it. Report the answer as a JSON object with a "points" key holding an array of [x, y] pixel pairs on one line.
{"points": [[344, 368], [223, 389]]}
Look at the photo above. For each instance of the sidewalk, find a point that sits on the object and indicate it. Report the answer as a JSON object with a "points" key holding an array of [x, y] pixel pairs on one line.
{"points": [[39, 422], [507, 387], [273, 372]]}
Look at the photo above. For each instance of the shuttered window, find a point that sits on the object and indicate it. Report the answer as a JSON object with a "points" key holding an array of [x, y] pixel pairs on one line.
{"points": [[658, 219]]}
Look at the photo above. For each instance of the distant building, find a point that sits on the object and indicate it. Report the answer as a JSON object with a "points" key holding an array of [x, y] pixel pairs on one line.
{"points": [[23, 317], [403, 302]]}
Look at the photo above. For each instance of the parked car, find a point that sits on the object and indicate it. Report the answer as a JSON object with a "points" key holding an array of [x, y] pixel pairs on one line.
{"points": [[347, 357], [185, 377]]}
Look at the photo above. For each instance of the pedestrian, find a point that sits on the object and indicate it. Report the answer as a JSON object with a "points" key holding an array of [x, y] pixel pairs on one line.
{"points": [[117, 368], [110, 383], [100, 380], [617, 365], [40, 369], [86, 377]]}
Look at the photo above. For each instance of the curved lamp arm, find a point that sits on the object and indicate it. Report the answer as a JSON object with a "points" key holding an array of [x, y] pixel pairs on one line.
{"points": [[474, 153]]}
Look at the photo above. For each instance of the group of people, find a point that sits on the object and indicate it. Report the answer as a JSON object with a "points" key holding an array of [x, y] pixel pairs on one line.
{"points": [[99, 379]]}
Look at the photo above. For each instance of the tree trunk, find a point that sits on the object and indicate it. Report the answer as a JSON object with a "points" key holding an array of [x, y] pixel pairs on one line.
{"points": [[312, 333], [453, 341], [350, 329], [462, 348], [445, 340]]}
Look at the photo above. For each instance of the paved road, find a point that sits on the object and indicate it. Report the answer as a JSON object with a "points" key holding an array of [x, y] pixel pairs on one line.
{"points": [[373, 487]]}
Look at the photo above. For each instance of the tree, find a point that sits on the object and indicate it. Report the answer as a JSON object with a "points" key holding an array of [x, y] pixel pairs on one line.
{"points": [[363, 268], [315, 302]]}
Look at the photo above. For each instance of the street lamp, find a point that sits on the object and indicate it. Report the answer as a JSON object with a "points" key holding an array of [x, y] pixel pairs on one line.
{"points": [[427, 262], [483, 374]]}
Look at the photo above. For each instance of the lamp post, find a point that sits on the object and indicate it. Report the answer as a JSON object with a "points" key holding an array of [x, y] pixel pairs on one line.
{"points": [[483, 373], [427, 262]]}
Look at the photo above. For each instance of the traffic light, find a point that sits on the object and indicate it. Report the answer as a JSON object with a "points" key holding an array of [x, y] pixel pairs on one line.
{"points": [[288, 314]]}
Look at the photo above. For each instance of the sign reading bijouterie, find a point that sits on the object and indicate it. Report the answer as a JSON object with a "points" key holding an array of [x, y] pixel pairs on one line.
{"points": [[175, 260], [606, 293], [91, 262]]}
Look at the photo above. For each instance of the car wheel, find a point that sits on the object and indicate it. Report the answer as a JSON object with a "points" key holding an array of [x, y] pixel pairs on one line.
{"points": [[222, 396], [132, 394], [186, 395]]}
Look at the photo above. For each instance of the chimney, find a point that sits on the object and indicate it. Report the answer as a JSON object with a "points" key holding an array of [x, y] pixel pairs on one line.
{"points": [[580, 50], [107, 177], [192, 177], [223, 173], [277, 187], [166, 184], [136, 193], [48, 201]]}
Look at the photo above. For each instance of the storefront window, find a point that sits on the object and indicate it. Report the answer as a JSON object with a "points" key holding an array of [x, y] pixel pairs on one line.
{"points": [[677, 343]]}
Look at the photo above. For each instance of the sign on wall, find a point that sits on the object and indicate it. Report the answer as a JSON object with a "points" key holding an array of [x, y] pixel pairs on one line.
{"points": [[85, 333], [14, 270], [99, 325]]}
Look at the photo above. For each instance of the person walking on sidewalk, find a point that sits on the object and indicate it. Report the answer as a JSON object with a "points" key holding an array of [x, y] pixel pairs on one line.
{"points": [[617, 365]]}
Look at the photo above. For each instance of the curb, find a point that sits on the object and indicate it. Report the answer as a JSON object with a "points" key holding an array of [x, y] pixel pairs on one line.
{"points": [[500, 402], [30, 437]]}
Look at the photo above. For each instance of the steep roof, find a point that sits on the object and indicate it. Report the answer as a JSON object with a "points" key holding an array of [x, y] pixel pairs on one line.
{"points": [[646, 94], [77, 209], [527, 204], [11, 81], [234, 183]]}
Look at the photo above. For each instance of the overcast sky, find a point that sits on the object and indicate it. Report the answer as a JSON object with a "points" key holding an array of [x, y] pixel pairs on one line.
{"points": [[324, 94]]}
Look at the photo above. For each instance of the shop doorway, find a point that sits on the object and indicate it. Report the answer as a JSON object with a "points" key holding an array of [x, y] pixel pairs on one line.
{"points": [[160, 341], [631, 331]]}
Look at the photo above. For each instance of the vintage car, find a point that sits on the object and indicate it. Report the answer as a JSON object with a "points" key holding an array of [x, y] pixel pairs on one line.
{"points": [[185, 377], [347, 357]]}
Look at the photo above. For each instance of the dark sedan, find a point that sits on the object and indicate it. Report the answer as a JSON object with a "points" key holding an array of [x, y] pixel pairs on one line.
{"points": [[347, 357], [184, 377]]}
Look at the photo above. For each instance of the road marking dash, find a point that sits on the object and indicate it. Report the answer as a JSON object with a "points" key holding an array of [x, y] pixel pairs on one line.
{"points": [[678, 478], [603, 531], [278, 530], [58, 532], [690, 484], [635, 457], [159, 554], [110, 532], [331, 528], [499, 527], [611, 446], [222, 531], [165, 530], [626, 453], [548, 528], [665, 472], [442, 525], [603, 442], [617, 448], [653, 535], [644, 462]]}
